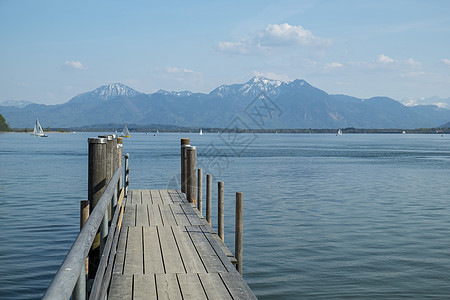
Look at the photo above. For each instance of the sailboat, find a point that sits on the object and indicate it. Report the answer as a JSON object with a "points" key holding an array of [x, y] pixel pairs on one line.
{"points": [[38, 131], [201, 132], [125, 132]]}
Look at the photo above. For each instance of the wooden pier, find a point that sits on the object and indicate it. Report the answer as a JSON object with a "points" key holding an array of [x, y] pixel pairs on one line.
{"points": [[167, 250], [149, 244]]}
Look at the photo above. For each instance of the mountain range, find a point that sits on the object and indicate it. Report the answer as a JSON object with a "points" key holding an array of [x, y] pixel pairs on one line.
{"points": [[259, 103]]}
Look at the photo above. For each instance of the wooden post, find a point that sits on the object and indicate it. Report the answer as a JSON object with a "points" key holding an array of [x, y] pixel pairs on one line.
{"points": [[127, 174], [191, 194], [119, 155], [79, 292], [96, 170], [220, 226], [184, 142], [208, 197], [199, 191], [109, 156], [96, 187], [119, 158], [238, 250], [109, 173]]}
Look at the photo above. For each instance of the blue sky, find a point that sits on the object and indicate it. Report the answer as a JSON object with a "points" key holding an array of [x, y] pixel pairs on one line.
{"points": [[51, 51]]}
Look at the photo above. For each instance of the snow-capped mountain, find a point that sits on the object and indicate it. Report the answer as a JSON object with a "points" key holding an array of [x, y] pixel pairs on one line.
{"points": [[107, 92], [251, 88], [173, 93], [299, 104]]}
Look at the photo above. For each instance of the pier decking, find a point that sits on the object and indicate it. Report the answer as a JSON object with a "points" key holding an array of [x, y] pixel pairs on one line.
{"points": [[167, 250]]}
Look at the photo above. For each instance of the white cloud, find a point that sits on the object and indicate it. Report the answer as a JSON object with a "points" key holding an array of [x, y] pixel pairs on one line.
{"points": [[334, 65], [274, 35], [287, 35], [446, 61], [178, 70], [412, 62], [73, 65], [383, 59]]}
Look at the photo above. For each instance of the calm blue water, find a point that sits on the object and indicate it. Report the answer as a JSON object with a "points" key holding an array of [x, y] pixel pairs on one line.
{"points": [[352, 216]]}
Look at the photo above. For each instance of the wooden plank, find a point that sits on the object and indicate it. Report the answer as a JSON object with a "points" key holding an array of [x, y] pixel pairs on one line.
{"points": [[182, 196], [120, 254], [165, 197], [175, 196], [171, 255], [189, 255], [121, 287], [167, 287], [156, 197], [134, 263], [167, 216], [207, 254], [153, 262], [191, 287], [154, 215], [180, 216], [137, 197], [191, 214], [146, 197], [214, 287], [220, 253], [237, 286], [142, 215], [129, 218], [144, 287]]}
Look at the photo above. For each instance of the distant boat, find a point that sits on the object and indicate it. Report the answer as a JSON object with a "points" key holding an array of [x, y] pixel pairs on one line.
{"points": [[339, 132], [125, 132], [38, 130], [201, 132]]}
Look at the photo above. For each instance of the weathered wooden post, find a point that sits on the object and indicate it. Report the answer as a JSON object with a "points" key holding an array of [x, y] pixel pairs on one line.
{"points": [[115, 165], [239, 230], [119, 157], [109, 156], [96, 170], [111, 143], [184, 143], [220, 217], [199, 191], [127, 174], [96, 187], [191, 154], [208, 197], [119, 161], [79, 292]]}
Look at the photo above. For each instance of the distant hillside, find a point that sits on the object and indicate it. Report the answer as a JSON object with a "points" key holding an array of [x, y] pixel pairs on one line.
{"points": [[260, 103]]}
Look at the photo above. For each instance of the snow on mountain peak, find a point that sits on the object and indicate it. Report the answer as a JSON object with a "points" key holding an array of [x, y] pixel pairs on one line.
{"points": [[114, 90], [260, 84]]}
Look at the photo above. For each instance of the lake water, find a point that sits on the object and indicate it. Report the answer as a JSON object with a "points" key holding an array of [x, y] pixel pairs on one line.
{"points": [[325, 216]]}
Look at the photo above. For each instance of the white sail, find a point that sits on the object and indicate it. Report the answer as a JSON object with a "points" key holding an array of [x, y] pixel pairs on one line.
{"points": [[125, 132], [38, 131], [201, 132]]}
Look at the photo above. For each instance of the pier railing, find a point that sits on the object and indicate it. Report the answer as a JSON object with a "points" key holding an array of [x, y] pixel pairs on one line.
{"points": [[192, 186], [98, 237]]}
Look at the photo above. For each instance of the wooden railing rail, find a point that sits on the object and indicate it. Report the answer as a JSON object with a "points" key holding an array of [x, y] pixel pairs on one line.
{"points": [[68, 274]]}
